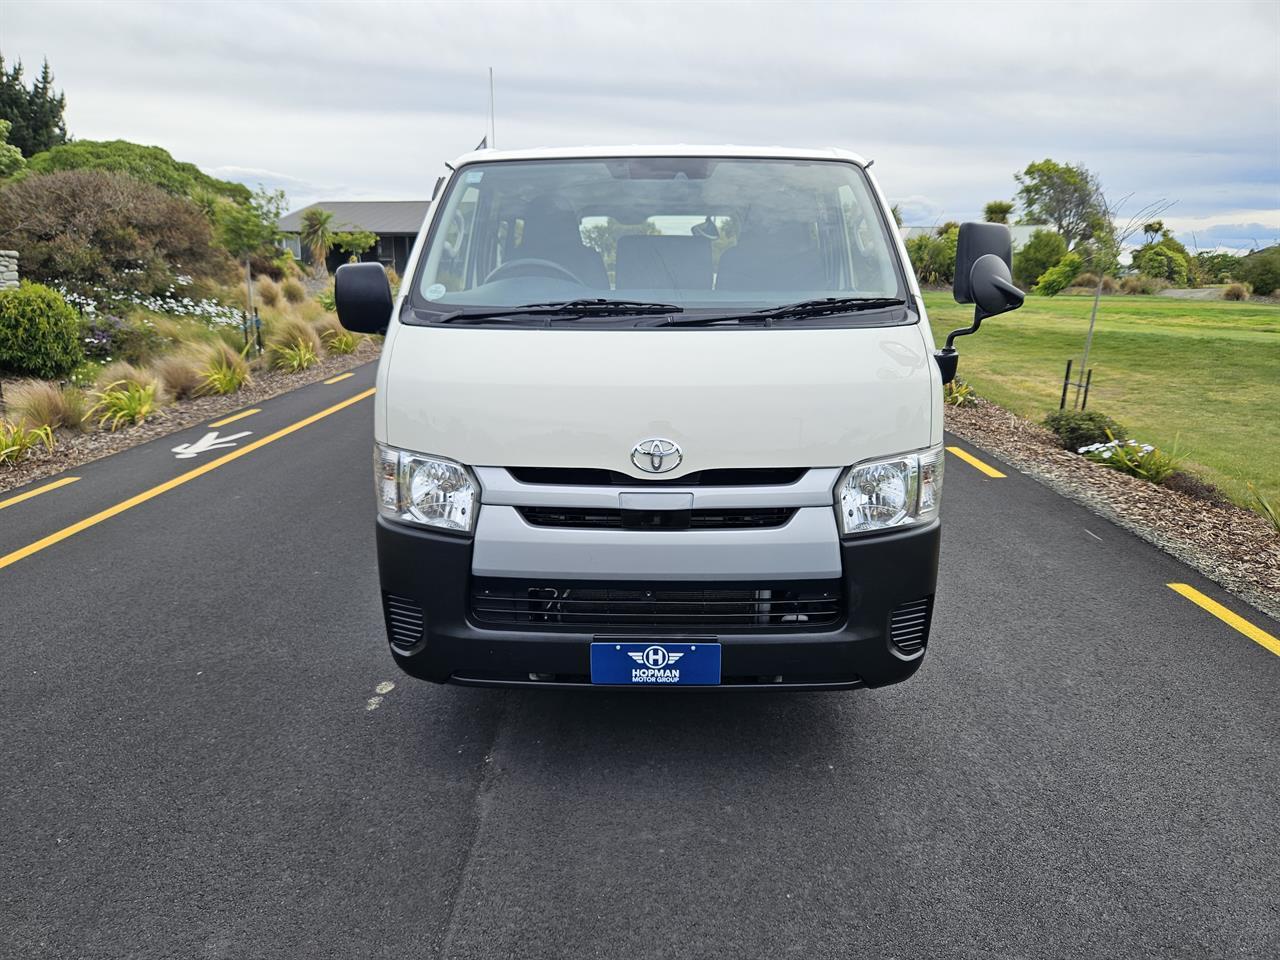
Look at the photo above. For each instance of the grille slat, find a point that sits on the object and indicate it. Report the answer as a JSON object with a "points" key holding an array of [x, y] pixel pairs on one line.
{"points": [[909, 625], [613, 519], [404, 620], [593, 605], [590, 477]]}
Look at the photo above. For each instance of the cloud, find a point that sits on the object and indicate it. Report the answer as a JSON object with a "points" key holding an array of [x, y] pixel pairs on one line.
{"points": [[950, 99]]}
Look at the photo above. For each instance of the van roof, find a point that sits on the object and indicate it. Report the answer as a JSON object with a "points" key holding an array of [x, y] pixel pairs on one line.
{"points": [[670, 150]]}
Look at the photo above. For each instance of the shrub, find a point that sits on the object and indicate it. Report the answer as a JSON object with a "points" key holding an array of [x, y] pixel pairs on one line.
{"points": [[107, 337], [1038, 254], [1086, 279], [1261, 270], [123, 402], [1163, 262], [268, 291], [293, 290], [1080, 428], [1143, 284], [45, 404], [326, 300], [151, 165], [225, 371], [17, 440], [957, 393], [293, 357], [933, 257], [1058, 277], [180, 374], [90, 228], [393, 279], [1134, 458], [39, 332], [336, 338], [1236, 291]]}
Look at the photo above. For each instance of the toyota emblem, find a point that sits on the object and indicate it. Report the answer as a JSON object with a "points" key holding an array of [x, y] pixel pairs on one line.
{"points": [[657, 455]]}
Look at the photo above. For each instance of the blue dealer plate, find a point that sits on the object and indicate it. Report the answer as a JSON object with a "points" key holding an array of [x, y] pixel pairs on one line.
{"points": [[655, 664]]}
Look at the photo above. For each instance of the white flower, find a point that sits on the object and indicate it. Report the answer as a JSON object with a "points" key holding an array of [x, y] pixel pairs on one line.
{"points": [[1106, 454]]}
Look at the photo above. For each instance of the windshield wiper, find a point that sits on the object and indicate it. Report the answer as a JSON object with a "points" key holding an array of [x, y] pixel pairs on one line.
{"points": [[816, 308], [789, 311], [564, 308]]}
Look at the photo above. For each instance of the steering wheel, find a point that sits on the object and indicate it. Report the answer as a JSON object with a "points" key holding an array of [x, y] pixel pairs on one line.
{"points": [[532, 267]]}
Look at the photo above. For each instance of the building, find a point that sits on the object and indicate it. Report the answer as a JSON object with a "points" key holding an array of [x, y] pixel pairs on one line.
{"points": [[1019, 233], [396, 223]]}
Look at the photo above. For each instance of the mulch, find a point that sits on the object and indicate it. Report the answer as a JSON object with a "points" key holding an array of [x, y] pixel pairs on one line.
{"points": [[72, 449], [1234, 547]]}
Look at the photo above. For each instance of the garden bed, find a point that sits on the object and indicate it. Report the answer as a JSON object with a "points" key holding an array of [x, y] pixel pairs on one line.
{"points": [[73, 449], [1230, 545]]}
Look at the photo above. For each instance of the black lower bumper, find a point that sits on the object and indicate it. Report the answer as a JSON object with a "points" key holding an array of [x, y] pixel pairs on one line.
{"points": [[426, 593]]}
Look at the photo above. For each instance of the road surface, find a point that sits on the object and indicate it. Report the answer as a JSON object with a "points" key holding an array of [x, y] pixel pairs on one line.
{"points": [[207, 751]]}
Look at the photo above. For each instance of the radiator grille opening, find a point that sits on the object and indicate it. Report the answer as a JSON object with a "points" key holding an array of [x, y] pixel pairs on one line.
{"points": [[605, 518], [404, 620], [909, 625], [589, 477], [699, 607]]}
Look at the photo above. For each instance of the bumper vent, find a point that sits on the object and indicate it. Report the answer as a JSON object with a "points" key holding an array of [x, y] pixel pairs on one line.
{"points": [[597, 518], [909, 626], [595, 605], [404, 620]]}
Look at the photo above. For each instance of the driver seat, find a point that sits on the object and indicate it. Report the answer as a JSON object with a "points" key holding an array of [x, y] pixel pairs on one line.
{"points": [[551, 233]]}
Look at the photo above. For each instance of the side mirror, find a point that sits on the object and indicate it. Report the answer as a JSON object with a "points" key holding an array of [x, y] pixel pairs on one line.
{"points": [[362, 294], [984, 255]]}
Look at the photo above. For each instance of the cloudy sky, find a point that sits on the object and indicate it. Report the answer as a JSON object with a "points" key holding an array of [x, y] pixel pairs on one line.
{"points": [[361, 100]]}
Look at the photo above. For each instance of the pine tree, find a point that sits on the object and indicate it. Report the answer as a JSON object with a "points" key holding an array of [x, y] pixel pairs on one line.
{"points": [[36, 114]]}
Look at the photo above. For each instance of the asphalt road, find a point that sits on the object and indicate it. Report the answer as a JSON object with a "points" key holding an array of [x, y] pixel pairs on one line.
{"points": [[193, 762]]}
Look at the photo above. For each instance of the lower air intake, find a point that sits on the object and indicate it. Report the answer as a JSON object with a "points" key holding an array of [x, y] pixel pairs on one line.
{"points": [[909, 626], [404, 620]]}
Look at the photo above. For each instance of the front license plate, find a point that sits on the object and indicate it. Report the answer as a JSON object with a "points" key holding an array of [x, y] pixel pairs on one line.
{"points": [[656, 664]]}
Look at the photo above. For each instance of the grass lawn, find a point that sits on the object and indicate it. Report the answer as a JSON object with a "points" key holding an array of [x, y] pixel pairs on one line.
{"points": [[1203, 376]]}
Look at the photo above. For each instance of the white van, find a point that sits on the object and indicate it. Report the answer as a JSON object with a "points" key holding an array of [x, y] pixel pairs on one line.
{"points": [[661, 417]]}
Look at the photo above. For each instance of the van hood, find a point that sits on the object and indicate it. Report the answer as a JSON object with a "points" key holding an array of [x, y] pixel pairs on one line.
{"points": [[729, 397]]}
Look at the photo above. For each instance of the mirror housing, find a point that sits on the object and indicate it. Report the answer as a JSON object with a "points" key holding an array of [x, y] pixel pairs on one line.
{"points": [[362, 294], [978, 240], [992, 288]]}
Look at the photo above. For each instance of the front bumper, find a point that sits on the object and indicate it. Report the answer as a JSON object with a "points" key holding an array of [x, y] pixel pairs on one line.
{"points": [[427, 576]]}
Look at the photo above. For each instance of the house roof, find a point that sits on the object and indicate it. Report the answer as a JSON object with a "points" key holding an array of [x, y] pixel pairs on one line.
{"points": [[377, 216]]}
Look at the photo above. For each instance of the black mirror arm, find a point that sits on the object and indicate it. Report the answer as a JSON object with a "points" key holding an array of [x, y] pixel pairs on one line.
{"points": [[978, 316]]}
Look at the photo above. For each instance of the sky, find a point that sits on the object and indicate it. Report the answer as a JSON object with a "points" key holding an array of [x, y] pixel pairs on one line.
{"points": [[335, 101]]}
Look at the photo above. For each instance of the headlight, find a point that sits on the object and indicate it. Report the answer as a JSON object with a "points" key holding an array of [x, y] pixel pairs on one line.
{"points": [[428, 491], [896, 492]]}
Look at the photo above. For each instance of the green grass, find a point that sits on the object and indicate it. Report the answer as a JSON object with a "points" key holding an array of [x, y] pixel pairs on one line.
{"points": [[1204, 375]]}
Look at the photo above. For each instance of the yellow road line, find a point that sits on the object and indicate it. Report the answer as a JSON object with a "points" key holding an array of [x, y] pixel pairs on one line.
{"points": [[37, 491], [973, 461], [341, 376], [235, 416], [1256, 634], [177, 481]]}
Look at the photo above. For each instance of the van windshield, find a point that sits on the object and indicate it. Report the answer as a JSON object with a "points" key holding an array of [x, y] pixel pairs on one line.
{"points": [[699, 233]]}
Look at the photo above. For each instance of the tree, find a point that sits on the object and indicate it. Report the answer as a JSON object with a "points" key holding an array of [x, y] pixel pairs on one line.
{"points": [[354, 243], [1042, 251], [10, 156], [997, 211], [246, 230], [152, 165], [1261, 269], [896, 210], [1058, 277], [1152, 229], [36, 114], [317, 236], [1063, 196], [91, 228]]}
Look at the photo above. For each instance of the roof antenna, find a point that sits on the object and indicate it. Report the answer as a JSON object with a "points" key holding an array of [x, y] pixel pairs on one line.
{"points": [[493, 136]]}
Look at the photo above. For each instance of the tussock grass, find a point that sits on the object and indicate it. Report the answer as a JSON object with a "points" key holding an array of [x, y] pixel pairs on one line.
{"points": [[40, 403], [293, 290], [268, 291], [223, 370], [180, 374]]}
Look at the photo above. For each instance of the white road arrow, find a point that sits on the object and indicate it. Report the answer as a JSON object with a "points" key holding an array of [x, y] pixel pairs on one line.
{"points": [[210, 441]]}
